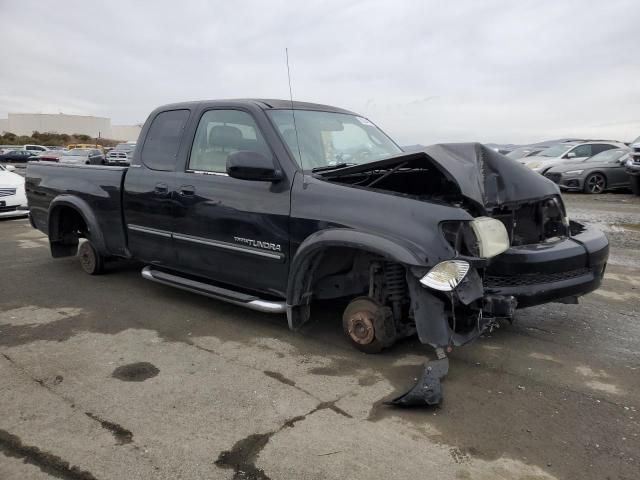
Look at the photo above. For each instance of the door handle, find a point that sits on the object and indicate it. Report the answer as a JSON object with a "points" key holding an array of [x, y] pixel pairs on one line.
{"points": [[161, 188], [187, 190]]}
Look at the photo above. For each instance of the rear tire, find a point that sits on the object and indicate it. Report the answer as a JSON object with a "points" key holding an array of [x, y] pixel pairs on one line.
{"points": [[368, 325], [90, 260], [595, 183], [635, 184]]}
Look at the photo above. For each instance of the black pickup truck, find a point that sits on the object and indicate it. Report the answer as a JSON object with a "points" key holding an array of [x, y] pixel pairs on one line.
{"points": [[273, 204]]}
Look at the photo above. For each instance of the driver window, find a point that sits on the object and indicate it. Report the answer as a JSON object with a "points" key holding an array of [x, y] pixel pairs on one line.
{"points": [[221, 133]]}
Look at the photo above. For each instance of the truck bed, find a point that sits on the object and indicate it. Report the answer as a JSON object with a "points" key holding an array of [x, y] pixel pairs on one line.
{"points": [[99, 188]]}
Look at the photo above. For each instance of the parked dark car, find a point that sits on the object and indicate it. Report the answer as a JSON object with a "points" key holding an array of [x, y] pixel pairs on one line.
{"points": [[82, 156], [597, 174], [273, 204], [17, 155]]}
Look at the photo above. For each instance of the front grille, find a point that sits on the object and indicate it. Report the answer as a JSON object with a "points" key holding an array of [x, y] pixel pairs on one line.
{"points": [[495, 281], [8, 209], [6, 192], [554, 177]]}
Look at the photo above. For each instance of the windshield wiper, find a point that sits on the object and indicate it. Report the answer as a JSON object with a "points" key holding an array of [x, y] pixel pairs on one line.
{"points": [[332, 167]]}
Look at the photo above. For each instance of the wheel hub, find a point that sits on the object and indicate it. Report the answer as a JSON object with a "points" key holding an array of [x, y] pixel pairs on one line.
{"points": [[596, 183], [360, 328], [87, 259]]}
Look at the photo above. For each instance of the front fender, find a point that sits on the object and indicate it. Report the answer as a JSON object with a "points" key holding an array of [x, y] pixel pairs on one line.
{"points": [[304, 260]]}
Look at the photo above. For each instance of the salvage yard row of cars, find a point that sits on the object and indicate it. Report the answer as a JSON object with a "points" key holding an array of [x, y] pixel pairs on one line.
{"points": [[590, 166], [86, 154], [574, 165]]}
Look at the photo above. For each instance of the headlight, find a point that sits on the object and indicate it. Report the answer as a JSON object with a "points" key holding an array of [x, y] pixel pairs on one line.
{"points": [[492, 236], [574, 172], [446, 275], [533, 164]]}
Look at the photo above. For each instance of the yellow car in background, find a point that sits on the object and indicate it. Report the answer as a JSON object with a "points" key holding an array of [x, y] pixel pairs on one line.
{"points": [[71, 146]]}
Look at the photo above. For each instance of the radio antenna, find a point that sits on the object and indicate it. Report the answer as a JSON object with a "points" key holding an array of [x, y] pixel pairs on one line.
{"points": [[293, 112]]}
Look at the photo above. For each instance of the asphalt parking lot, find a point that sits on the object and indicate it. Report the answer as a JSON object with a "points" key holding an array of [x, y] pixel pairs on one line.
{"points": [[113, 377]]}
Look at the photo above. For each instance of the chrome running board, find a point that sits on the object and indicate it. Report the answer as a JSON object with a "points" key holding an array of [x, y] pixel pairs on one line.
{"points": [[219, 293]]}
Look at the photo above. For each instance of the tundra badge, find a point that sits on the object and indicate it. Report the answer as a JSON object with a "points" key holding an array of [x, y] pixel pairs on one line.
{"points": [[258, 244]]}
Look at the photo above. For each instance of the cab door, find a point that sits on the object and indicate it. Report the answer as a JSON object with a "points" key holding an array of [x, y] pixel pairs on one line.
{"points": [[148, 203], [230, 230]]}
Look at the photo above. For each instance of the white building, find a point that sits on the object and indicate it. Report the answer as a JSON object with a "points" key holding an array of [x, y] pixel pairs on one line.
{"points": [[27, 123], [128, 133]]}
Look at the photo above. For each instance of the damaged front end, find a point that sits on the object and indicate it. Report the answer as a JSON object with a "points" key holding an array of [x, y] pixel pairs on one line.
{"points": [[449, 305], [517, 249]]}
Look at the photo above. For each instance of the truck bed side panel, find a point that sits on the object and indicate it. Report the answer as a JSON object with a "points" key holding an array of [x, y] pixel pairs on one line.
{"points": [[100, 187]]}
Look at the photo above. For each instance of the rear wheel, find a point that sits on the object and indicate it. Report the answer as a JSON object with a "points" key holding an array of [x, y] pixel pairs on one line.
{"points": [[90, 260], [368, 325], [635, 184], [595, 183]]}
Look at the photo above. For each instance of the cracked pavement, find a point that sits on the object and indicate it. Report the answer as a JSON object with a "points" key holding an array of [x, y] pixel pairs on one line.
{"points": [[114, 377]]}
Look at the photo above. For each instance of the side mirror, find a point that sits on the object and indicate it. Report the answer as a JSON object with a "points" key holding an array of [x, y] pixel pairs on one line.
{"points": [[248, 165], [10, 168], [571, 154]]}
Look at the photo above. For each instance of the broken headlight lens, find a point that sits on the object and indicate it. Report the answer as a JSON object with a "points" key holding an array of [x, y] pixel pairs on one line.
{"points": [[492, 236], [446, 275]]}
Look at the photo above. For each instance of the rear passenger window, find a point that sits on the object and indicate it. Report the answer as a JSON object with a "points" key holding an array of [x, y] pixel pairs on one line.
{"points": [[219, 134], [601, 147], [160, 149]]}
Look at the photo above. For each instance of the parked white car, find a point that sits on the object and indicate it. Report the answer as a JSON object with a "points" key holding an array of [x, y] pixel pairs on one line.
{"points": [[13, 201], [567, 152], [36, 148]]}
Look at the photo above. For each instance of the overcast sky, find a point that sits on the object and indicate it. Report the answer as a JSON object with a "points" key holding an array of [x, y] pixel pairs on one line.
{"points": [[425, 71]]}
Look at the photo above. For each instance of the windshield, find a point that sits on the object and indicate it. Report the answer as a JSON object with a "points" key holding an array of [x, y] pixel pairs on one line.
{"points": [[607, 156], [556, 150], [327, 139], [80, 152], [637, 140]]}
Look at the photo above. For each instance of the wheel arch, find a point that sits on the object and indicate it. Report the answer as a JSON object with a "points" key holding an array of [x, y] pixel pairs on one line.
{"points": [[64, 212], [306, 259]]}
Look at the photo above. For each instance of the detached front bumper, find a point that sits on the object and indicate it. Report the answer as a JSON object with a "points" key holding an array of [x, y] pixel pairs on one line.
{"points": [[541, 273], [523, 276]]}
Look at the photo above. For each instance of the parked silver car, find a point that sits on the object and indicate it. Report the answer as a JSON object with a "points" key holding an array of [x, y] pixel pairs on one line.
{"points": [[82, 156], [604, 171], [567, 152]]}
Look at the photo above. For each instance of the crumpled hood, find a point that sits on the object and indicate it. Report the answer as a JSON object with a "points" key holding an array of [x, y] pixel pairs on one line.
{"points": [[483, 175], [488, 177]]}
